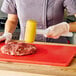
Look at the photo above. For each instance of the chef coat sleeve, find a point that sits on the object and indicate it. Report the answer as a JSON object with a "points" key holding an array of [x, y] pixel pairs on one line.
{"points": [[9, 7], [70, 5]]}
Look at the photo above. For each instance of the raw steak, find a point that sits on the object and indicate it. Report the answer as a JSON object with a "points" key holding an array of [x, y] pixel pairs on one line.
{"points": [[18, 48]]}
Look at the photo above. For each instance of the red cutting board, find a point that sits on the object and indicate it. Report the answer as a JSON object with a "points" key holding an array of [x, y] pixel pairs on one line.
{"points": [[57, 55]]}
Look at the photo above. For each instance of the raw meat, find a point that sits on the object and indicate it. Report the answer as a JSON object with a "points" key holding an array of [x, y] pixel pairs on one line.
{"points": [[18, 48]]}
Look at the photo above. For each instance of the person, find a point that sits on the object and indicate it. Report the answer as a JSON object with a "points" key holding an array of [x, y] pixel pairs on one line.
{"points": [[47, 13]]}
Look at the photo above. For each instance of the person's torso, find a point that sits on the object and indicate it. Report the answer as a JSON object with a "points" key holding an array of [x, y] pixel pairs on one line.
{"points": [[51, 11], [34, 9]]}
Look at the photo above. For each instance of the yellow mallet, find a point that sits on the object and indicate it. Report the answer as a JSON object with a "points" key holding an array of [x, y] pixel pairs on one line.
{"points": [[30, 31]]}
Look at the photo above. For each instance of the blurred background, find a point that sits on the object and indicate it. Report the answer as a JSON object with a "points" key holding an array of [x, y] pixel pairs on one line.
{"points": [[1, 14], [3, 18]]}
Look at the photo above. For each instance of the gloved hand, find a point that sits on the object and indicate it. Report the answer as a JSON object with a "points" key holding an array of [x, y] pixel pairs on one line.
{"points": [[57, 30], [6, 36]]}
